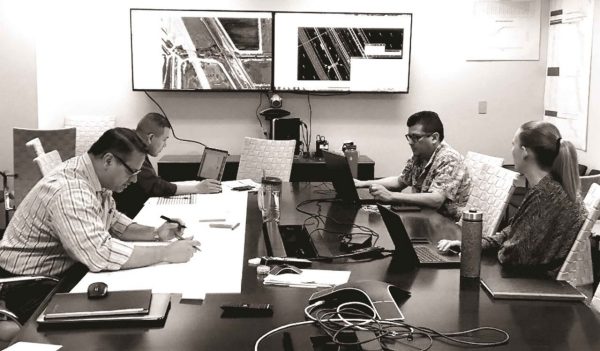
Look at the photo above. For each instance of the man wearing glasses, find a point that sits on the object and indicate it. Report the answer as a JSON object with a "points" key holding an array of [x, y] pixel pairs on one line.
{"points": [[436, 172], [154, 129], [69, 216]]}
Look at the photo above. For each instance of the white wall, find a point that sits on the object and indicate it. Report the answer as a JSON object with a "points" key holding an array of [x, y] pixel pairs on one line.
{"points": [[591, 157], [84, 68], [18, 91]]}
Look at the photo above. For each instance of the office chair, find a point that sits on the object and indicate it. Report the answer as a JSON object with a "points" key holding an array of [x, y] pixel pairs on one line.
{"points": [[266, 157], [10, 324], [27, 172], [578, 269], [490, 192], [587, 181], [46, 162], [474, 160]]}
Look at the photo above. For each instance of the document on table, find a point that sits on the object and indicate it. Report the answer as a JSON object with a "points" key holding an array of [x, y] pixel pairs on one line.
{"points": [[32, 346], [208, 271], [309, 278]]}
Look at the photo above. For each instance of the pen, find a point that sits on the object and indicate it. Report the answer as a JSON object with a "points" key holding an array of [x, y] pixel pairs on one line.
{"points": [[179, 237], [172, 221]]}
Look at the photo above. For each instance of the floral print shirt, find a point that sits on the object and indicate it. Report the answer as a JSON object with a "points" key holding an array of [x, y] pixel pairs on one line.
{"points": [[445, 173]]}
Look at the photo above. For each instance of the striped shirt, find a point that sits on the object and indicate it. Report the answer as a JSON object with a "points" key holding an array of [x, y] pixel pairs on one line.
{"points": [[67, 217]]}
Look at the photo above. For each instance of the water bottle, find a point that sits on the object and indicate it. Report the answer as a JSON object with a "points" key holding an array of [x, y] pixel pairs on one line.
{"points": [[349, 149], [470, 250], [268, 198]]}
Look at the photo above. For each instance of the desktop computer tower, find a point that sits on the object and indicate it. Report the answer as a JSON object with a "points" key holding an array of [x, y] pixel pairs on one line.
{"points": [[286, 128]]}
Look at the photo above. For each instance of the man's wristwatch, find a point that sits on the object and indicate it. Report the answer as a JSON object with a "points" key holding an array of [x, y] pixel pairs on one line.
{"points": [[156, 236]]}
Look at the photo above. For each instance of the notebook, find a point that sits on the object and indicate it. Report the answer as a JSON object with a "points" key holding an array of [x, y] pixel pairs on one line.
{"points": [[77, 305], [212, 164], [156, 316], [414, 253], [503, 286], [341, 177]]}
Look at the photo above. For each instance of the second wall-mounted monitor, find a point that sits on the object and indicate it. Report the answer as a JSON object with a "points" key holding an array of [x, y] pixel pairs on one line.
{"points": [[342, 52], [201, 50]]}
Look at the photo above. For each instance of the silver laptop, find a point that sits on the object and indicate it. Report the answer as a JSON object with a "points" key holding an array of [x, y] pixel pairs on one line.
{"points": [[212, 164]]}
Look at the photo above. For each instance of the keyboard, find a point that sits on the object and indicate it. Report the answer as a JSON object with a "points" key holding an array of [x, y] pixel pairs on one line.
{"points": [[427, 255], [177, 200]]}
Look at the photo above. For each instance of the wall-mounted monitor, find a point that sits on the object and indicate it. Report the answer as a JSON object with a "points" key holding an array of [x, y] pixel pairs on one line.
{"points": [[201, 50], [342, 52]]}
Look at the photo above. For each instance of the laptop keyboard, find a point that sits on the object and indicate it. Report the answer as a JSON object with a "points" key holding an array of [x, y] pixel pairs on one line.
{"points": [[426, 255]]}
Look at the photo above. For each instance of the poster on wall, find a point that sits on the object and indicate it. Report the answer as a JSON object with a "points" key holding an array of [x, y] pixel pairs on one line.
{"points": [[201, 50], [566, 95], [342, 52], [503, 30]]}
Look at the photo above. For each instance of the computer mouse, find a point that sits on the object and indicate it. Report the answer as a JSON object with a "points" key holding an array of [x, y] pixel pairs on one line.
{"points": [[97, 290], [285, 268]]}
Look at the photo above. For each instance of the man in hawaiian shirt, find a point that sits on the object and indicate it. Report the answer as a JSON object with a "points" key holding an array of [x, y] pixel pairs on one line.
{"points": [[436, 172]]}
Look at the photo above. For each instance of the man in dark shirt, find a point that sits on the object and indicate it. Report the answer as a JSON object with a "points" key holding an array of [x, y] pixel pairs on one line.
{"points": [[154, 129]]}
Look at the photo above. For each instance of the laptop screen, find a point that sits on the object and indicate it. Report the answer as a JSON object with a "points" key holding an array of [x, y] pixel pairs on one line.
{"points": [[212, 164]]}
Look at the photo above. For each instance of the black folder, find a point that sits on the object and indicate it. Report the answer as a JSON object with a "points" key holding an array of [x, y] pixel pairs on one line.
{"points": [[78, 305], [156, 316]]}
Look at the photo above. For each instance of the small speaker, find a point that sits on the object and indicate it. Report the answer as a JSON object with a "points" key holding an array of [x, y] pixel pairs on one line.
{"points": [[271, 113]]}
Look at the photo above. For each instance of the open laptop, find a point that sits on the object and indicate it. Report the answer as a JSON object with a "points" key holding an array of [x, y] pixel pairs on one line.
{"points": [[341, 177], [212, 164], [414, 253]]}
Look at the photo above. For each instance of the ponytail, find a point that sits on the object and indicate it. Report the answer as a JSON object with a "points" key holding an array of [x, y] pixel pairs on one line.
{"points": [[565, 168]]}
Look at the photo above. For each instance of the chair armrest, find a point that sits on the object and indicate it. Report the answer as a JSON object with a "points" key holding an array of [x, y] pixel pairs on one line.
{"points": [[9, 315], [26, 278]]}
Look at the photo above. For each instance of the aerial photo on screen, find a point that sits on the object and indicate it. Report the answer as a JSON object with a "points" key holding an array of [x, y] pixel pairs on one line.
{"points": [[327, 53], [216, 53]]}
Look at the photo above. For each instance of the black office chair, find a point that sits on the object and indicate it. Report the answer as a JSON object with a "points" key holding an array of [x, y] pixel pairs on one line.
{"points": [[582, 169], [594, 172], [10, 322]]}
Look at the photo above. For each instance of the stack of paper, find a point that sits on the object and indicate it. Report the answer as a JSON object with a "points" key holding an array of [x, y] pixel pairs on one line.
{"points": [[309, 278]]}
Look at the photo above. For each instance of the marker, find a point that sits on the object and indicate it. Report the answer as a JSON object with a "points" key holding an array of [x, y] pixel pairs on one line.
{"points": [[169, 220]]}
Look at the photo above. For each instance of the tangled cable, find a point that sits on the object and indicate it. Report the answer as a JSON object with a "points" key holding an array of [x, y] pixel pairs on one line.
{"points": [[355, 316]]}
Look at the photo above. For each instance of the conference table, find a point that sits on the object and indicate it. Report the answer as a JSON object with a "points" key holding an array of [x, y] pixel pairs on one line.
{"points": [[439, 300]]}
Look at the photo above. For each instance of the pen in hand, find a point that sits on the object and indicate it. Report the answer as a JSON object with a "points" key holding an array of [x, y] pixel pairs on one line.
{"points": [[177, 235], [170, 220]]}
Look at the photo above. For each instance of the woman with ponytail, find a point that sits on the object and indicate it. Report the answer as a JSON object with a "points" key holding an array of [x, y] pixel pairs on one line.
{"points": [[541, 233]]}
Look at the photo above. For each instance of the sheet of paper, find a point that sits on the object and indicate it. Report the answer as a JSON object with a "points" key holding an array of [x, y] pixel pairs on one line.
{"points": [[309, 278], [32, 346], [217, 268], [241, 182]]}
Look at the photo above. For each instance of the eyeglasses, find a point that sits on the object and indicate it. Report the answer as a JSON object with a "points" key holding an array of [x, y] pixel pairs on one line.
{"points": [[133, 172], [415, 138]]}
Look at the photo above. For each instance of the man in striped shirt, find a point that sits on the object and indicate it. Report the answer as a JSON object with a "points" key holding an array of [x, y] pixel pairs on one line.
{"points": [[69, 216]]}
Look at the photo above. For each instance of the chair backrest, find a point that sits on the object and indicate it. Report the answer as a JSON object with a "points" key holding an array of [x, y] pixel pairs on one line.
{"points": [[89, 129], [587, 181], [490, 192], [45, 161], [577, 268], [28, 172], [473, 158], [273, 157]]}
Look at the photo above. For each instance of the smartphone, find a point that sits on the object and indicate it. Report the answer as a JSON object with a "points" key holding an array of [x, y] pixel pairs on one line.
{"points": [[243, 188]]}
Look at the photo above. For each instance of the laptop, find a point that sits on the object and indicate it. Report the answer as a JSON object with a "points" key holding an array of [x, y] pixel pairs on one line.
{"points": [[212, 164], [421, 253], [341, 177], [503, 286]]}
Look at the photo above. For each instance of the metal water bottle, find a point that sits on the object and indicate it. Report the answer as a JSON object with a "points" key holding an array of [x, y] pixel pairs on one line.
{"points": [[470, 250], [349, 149]]}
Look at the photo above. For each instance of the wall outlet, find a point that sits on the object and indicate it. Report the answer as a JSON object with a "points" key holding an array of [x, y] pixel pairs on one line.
{"points": [[482, 107]]}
